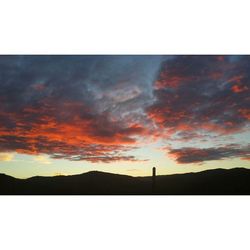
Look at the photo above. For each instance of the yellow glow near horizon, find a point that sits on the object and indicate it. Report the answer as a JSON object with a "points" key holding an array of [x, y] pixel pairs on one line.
{"points": [[25, 166]]}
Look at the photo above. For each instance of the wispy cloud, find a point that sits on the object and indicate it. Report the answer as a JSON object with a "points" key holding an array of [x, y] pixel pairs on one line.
{"points": [[42, 159]]}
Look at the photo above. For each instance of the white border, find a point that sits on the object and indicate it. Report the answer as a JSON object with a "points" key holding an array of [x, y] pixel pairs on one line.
{"points": [[122, 222], [124, 27]]}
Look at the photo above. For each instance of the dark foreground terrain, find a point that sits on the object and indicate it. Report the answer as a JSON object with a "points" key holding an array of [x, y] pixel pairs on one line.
{"points": [[218, 181]]}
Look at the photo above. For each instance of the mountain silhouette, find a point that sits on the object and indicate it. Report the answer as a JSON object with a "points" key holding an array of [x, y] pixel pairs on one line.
{"points": [[216, 182]]}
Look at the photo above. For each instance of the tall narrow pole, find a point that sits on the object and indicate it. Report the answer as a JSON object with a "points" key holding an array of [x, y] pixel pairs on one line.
{"points": [[153, 179]]}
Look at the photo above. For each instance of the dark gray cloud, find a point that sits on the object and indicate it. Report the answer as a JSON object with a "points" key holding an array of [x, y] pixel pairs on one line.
{"points": [[198, 95], [199, 155]]}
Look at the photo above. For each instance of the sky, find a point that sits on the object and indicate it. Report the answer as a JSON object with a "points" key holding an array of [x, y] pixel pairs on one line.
{"points": [[65, 115]]}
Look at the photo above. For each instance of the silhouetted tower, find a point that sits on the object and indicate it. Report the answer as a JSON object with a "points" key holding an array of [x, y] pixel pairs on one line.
{"points": [[153, 179]]}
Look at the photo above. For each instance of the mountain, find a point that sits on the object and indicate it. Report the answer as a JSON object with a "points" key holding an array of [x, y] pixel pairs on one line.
{"points": [[217, 182]]}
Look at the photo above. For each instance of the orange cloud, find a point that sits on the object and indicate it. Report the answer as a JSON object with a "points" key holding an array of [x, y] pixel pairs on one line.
{"points": [[238, 88], [67, 130]]}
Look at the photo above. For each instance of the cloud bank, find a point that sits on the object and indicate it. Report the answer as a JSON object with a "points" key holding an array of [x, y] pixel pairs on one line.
{"points": [[101, 108]]}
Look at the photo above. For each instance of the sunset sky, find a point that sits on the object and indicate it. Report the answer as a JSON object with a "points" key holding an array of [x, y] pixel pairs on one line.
{"points": [[123, 114]]}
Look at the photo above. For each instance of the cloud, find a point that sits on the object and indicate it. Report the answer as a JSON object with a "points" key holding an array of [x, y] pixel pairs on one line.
{"points": [[106, 158], [201, 96], [6, 156], [202, 99], [199, 155], [75, 107], [70, 130], [42, 159], [101, 108]]}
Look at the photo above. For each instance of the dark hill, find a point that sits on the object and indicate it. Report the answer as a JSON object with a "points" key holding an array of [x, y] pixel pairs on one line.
{"points": [[217, 181]]}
